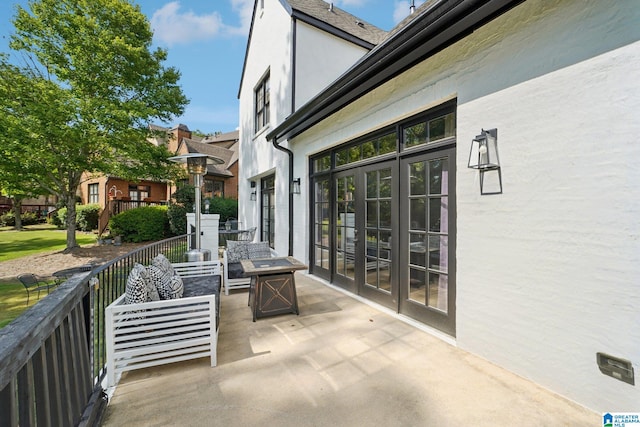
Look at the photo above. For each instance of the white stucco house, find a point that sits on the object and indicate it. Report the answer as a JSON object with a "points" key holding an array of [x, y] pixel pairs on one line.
{"points": [[357, 145]]}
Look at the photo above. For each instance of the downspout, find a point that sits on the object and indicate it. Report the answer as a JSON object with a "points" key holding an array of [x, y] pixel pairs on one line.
{"points": [[290, 153]]}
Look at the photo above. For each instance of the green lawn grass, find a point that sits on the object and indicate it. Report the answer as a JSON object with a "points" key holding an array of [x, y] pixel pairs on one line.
{"points": [[13, 301], [16, 244], [37, 239]]}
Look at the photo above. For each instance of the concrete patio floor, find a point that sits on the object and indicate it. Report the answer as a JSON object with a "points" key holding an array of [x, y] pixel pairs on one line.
{"points": [[341, 362]]}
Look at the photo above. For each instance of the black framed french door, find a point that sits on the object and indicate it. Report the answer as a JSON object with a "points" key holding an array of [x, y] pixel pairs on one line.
{"points": [[268, 209], [427, 238], [364, 214], [344, 230], [375, 251], [321, 248], [384, 216]]}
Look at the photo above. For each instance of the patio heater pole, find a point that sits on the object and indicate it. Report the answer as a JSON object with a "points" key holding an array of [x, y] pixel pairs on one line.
{"points": [[197, 182], [197, 166]]}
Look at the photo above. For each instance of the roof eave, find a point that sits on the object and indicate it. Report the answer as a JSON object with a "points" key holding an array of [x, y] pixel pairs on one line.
{"points": [[440, 25]]}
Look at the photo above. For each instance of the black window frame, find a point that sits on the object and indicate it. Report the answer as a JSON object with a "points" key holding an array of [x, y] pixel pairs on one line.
{"points": [[262, 102]]}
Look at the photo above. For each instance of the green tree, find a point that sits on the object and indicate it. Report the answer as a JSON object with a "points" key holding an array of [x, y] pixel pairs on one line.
{"points": [[18, 185], [81, 99]]}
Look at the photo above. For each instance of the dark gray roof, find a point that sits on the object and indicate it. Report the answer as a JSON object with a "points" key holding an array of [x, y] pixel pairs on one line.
{"points": [[181, 127], [230, 137], [339, 19], [212, 150]]}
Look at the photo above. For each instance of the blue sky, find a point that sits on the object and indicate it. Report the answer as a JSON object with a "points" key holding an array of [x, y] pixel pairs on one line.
{"points": [[206, 41]]}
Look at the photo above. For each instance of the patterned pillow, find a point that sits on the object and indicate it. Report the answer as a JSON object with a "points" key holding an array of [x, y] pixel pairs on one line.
{"points": [[139, 287], [176, 287], [161, 261], [161, 280], [258, 250], [236, 251]]}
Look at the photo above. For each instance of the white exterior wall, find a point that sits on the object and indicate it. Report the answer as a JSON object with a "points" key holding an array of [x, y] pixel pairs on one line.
{"points": [[548, 272], [270, 50], [320, 59]]}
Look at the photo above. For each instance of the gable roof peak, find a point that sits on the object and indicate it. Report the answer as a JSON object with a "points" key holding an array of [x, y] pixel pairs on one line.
{"points": [[340, 19]]}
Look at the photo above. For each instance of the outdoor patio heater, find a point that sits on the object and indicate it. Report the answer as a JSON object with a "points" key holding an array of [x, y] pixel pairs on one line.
{"points": [[197, 166]]}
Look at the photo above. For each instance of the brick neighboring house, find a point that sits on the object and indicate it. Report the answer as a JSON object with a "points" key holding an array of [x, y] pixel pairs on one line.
{"points": [[40, 206], [115, 194], [220, 180]]}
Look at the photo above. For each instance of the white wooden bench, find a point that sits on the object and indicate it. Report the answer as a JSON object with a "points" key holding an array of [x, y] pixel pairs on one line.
{"points": [[159, 332]]}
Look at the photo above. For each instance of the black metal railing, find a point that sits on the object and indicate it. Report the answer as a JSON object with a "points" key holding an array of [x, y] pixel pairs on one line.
{"points": [[53, 355]]}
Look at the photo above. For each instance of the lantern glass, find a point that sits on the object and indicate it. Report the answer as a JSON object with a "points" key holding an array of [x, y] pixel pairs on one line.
{"points": [[197, 165], [295, 186], [484, 151]]}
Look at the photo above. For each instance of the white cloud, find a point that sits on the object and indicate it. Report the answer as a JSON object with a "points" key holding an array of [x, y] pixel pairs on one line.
{"points": [[401, 9], [171, 26], [244, 9]]}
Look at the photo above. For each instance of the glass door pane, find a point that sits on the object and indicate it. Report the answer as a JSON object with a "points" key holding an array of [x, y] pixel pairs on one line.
{"points": [[378, 208], [321, 235], [345, 228], [428, 246], [268, 209], [428, 279]]}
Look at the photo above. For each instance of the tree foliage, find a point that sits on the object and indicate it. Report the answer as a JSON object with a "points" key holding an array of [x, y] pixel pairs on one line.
{"points": [[81, 99], [183, 202]]}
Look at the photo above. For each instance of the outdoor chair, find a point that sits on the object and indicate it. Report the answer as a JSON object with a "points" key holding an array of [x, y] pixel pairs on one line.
{"points": [[33, 283], [247, 235]]}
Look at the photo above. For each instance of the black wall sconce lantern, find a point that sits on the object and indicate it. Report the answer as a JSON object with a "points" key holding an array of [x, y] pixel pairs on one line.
{"points": [[254, 193], [484, 157], [295, 186]]}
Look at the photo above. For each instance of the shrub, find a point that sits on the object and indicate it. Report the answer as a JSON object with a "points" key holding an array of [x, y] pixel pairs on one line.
{"points": [[59, 218], [30, 218], [141, 224], [227, 208], [87, 217], [9, 219]]}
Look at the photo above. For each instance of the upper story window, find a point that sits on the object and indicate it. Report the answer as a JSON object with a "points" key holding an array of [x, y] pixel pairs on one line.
{"points": [[262, 104], [93, 193]]}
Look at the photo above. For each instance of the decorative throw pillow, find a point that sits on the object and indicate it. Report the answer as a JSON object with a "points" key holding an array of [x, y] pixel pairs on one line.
{"points": [[236, 251], [161, 280], [162, 262], [258, 250], [139, 287], [176, 287]]}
